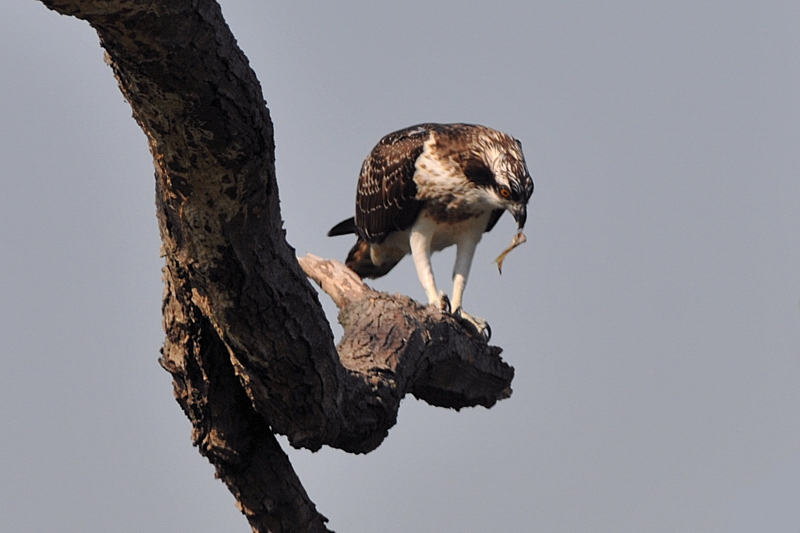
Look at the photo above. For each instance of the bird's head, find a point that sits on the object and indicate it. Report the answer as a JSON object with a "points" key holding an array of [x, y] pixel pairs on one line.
{"points": [[505, 175]]}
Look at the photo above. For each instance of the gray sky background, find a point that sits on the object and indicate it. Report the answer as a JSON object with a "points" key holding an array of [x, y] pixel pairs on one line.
{"points": [[653, 317]]}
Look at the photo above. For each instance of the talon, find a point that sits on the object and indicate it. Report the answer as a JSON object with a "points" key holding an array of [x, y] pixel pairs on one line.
{"points": [[444, 303], [478, 323]]}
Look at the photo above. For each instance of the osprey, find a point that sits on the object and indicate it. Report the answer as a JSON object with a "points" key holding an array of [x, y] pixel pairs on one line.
{"points": [[430, 186]]}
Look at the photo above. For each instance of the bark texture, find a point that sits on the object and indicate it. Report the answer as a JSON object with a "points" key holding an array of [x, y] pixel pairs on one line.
{"points": [[247, 342]]}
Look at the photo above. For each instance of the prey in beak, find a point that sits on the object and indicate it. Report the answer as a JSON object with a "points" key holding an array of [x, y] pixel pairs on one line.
{"points": [[520, 214]]}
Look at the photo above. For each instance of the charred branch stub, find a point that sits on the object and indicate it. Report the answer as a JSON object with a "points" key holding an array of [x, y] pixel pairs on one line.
{"points": [[405, 347], [247, 342]]}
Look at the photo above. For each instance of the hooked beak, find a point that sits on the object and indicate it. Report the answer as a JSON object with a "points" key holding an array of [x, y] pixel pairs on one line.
{"points": [[520, 214]]}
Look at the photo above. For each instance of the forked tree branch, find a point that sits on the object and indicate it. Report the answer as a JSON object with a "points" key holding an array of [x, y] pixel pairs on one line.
{"points": [[393, 341], [247, 342]]}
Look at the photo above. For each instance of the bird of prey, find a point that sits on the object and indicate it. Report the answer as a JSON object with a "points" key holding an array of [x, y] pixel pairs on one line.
{"points": [[431, 186]]}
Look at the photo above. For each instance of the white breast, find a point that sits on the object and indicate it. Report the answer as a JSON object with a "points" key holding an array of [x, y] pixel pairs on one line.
{"points": [[440, 181]]}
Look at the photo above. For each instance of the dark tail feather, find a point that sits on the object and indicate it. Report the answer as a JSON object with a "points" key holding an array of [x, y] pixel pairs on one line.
{"points": [[359, 261], [345, 227]]}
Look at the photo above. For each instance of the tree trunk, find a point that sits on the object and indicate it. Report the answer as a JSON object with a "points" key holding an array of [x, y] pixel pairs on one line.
{"points": [[247, 342]]}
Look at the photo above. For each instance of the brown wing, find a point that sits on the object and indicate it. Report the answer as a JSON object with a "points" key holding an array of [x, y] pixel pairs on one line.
{"points": [[386, 198]]}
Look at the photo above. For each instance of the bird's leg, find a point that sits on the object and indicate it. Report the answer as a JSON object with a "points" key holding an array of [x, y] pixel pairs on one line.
{"points": [[420, 241], [465, 251]]}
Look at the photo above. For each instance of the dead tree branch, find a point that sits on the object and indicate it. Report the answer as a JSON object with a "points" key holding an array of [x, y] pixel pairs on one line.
{"points": [[247, 342]]}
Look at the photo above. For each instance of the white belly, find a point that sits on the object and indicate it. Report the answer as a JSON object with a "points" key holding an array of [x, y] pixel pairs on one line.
{"points": [[442, 234], [449, 233]]}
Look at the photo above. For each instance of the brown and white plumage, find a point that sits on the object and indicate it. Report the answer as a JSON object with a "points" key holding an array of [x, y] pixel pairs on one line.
{"points": [[430, 186]]}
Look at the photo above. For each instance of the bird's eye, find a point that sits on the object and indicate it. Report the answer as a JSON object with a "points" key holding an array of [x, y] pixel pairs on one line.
{"points": [[505, 193]]}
